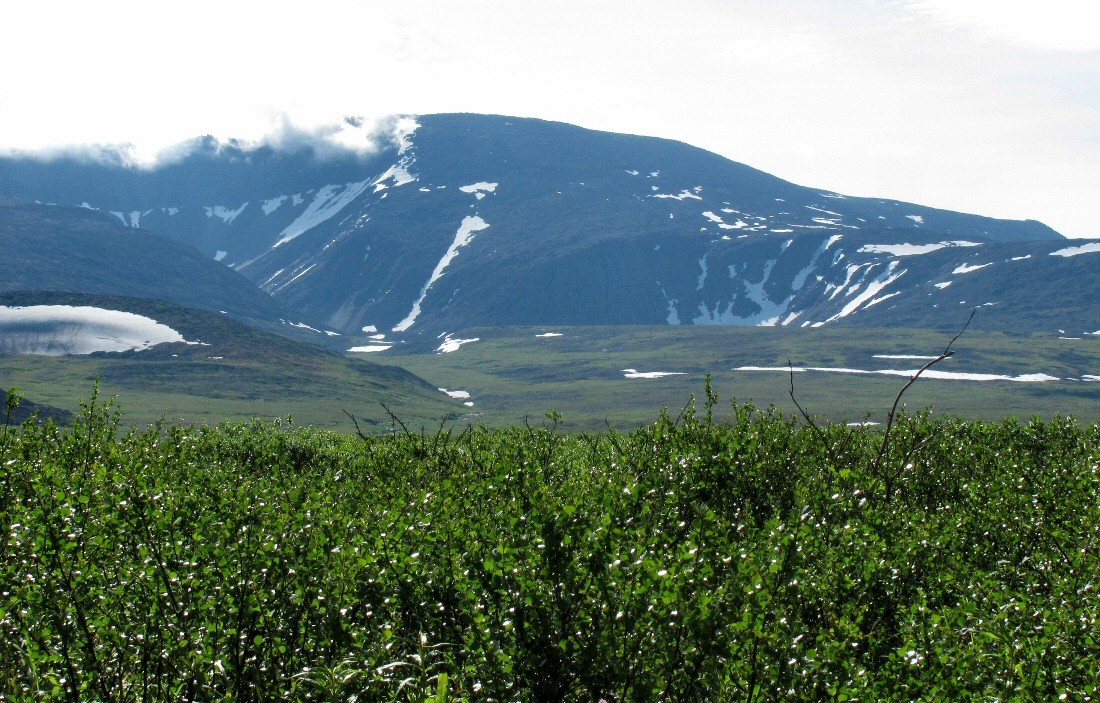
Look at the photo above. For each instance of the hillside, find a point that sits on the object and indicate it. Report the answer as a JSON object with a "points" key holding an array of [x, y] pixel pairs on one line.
{"points": [[222, 369], [79, 250]]}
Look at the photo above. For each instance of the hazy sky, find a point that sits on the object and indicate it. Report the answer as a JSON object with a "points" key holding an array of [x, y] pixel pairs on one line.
{"points": [[985, 106]]}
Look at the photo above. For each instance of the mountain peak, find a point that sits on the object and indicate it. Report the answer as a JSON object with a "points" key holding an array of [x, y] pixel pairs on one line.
{"points": [[570, 226]]}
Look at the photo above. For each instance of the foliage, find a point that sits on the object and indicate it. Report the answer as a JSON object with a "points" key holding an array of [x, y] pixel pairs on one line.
{"points": [[751, 559]]}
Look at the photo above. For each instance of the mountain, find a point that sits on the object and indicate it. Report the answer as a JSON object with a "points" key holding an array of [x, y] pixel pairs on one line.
{"points": [[77, 250], [482, 220]]}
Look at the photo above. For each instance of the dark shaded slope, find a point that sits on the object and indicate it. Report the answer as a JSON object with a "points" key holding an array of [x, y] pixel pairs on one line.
{"points": [[81, 251]]}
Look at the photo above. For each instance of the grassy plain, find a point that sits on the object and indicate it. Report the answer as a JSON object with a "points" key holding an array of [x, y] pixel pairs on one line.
{"points": [[512, 374]]}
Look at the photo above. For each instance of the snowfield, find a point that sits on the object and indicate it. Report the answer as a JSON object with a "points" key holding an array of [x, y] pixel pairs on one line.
{"points": [[634, 373], [930, 373], [1089, 248], [327, 203], [465, 234], [450, 344], [58, 330]]}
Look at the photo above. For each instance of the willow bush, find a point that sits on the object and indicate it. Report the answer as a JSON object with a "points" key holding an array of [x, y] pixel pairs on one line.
{"points": [[746, 559]]}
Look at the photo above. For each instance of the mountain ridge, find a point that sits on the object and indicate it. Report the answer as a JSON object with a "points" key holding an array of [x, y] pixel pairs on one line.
{"points": [[474, 220]]}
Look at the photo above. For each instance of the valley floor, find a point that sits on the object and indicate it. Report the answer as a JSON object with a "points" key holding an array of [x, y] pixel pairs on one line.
{"points": [[594, 377]]}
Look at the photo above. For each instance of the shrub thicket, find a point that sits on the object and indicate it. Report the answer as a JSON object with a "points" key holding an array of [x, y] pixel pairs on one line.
{"points": [[749, 559]]}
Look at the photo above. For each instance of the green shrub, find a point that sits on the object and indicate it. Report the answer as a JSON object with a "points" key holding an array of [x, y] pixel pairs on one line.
{"points": [[752, 559]]}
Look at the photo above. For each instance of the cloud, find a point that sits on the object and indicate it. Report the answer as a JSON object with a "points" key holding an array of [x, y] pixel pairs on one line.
{"points": [[353, 134], [1052, 25]]}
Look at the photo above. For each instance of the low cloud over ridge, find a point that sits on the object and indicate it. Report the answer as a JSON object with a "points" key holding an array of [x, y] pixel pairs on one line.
{"points": [[352, 134]]}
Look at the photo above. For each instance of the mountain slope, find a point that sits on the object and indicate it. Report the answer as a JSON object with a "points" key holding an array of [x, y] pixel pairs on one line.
{"points": [[486, 220], [82, 251], [224, 369], [78, 250]]}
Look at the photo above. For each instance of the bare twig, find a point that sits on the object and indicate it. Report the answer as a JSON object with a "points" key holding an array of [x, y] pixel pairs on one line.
{"points": [[612, 439], [945, 354], [396, 420], [356, 423], [809, 420]]}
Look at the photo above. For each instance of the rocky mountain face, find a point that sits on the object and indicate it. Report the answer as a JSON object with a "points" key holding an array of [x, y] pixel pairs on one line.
{"points": [[474, 220]]}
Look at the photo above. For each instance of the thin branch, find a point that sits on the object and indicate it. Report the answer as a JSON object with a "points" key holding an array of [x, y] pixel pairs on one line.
{"points": [[356, 423], [806, 415], [612, 439], [946, 354], [396, 420]]}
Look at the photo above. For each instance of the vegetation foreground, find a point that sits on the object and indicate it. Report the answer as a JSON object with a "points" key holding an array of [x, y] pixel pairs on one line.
{"points": [[745, 559]]}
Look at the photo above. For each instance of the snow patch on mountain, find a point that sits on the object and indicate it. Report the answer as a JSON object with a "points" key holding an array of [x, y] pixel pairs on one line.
{"points": [[722, 224], [968, 268], [685, 193], [371, 348], [911, 249], [899, 249], [398, 173], [328, 202], [799, 279], [223, 213], [270, 206], [874, 287], [702, 272], [876, 301], [1089, 248], [298, 273], [770, 311], [833, 290], [57, 330], [301, 326], [450, 344], [479, 189], [929, 373], [634, 373], [464, 235], [673, 317], [403, 132]]}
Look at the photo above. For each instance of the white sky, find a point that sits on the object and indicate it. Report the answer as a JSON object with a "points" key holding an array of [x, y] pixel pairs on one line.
{"points": [[982, 106]]}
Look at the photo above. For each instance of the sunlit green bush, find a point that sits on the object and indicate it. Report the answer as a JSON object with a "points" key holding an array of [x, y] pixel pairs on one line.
{"points": [[750, 558]]}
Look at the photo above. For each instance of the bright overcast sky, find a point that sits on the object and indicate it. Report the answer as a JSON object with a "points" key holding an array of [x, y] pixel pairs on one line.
{"points": [[985, 106]]}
